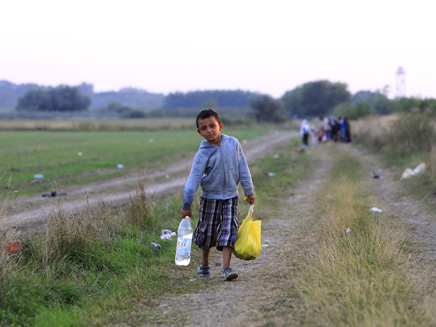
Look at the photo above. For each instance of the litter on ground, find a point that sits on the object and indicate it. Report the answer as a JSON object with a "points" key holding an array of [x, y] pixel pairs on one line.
{"points": [[167, 234], [408, 172], [53, 194], [375, 209], [120, 166], [348, 230], [38, 176]]}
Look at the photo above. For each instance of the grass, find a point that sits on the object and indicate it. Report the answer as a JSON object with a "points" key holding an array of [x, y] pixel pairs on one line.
{"points": [[365, 277], [92, 268], [404, 141], [87, 265], [55, 154]]}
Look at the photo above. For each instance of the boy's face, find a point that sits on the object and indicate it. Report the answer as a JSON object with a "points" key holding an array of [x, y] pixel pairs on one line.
{"points": [[210, 129]]}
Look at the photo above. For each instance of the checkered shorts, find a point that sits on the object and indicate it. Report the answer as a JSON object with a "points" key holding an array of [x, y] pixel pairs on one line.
{"points": [[217, 223]]}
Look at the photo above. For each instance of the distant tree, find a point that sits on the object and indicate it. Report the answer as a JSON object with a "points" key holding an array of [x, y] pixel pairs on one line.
{"points": [[377, 101], [266, 108], [210, 103], [320, 97], [61, 98], [67, 98], [196, 99], [35, 99], [362, 109], [316, 98], [292, 102]]}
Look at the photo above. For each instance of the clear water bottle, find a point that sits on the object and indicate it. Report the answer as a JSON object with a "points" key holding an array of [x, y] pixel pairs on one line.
{"points": [[184, 240]]}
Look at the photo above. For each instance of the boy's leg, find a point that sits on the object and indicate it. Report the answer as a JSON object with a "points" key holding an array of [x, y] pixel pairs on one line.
{"points": [[227, 255], [205, 257]]}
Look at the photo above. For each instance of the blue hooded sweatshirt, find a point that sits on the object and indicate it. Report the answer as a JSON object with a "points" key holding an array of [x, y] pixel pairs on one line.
{"points": [[218, 169]]}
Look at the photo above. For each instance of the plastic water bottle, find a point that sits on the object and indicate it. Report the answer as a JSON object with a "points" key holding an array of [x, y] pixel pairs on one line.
{"points": [[184, 240]]}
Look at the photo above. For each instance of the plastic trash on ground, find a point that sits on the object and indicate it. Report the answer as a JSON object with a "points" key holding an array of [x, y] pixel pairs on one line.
{"points": [[167, 234], [348, 230], [155, 245], [420, 168], [375, 209], [412, 172], [79, 154], [13, 247], [120, 166], [271, 174], [38, 176]]}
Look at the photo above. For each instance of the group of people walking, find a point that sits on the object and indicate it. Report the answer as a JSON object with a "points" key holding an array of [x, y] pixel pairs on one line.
{"points": [[330, 129]]}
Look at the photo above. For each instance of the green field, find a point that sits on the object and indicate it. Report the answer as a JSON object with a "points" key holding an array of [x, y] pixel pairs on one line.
{"points": [[55, 154]]}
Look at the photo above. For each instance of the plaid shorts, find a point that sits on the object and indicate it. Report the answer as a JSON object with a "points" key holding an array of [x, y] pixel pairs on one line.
{"points": [[217, 223]]}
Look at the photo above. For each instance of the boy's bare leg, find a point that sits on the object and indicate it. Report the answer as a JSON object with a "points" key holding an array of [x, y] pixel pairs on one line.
{"points": [[227, 255], [204, 257]]}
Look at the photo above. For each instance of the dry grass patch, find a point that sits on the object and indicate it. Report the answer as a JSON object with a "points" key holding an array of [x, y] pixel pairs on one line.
{"points": [[363, 277]]}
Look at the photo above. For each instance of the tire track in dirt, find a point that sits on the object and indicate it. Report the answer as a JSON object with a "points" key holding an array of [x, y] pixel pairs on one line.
{"points": [[28, 212], [262, 284]]}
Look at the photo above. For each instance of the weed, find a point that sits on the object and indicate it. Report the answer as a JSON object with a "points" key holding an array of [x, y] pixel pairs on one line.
{"points": [[141, 207]]}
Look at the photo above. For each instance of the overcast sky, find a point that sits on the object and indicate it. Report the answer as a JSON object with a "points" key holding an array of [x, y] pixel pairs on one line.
{"points": [[264, 46]]}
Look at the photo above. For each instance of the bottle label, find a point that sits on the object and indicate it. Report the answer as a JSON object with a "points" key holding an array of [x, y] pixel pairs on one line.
{"points": [[184, 244]]}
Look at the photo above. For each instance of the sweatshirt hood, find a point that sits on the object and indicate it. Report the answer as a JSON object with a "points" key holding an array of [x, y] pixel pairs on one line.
{"points": [[205, 144]]}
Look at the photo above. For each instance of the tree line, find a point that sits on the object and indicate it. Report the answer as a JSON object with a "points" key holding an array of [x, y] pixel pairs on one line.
{"points": [[324, 98], [61, 98], [317, 98]]}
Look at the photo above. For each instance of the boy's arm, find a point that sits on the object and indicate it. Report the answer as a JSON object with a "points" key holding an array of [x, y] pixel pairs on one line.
{"points": [[193, 182], [244, 175]]}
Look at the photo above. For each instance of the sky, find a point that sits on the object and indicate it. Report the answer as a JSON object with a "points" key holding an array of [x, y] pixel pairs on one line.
{"points": [[269, 47]]}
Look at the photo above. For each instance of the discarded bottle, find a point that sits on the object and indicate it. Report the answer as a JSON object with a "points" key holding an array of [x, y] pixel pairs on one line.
{"points": [[184, 240]]}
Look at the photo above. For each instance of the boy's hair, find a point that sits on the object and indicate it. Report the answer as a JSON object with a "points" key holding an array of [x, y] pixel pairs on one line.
{"points": [[207, 114]]}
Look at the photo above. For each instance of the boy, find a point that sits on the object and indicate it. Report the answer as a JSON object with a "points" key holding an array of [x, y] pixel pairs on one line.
{"points": [[218, 167]]}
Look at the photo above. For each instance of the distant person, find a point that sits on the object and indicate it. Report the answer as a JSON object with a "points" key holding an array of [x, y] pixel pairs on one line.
{"points": [[305, 132], [335, 129], [326, 127], [314, 133], [219, 166], [347, 130]]}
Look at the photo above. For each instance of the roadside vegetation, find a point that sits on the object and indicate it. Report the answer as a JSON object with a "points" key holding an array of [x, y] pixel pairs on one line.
{"points": [[96, 267], [404, 140], [360, 271]]}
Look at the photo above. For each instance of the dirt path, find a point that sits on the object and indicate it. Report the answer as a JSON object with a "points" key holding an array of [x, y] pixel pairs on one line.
{"points": [[27, 212], [260, 296], [259, 288]]}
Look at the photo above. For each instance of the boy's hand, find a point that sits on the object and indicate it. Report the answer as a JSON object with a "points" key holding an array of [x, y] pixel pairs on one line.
{"points": [[250, 199], [186, 213]]}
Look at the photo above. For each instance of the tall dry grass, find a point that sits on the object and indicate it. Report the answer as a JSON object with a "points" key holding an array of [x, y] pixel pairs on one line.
{"points": [[149, 124], [65, 234], [405, 133], [141, 207], [364, 277]]}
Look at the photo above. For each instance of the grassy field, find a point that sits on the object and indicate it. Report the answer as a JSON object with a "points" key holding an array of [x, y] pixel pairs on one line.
{"points": [[93, 269], [55, 154]]}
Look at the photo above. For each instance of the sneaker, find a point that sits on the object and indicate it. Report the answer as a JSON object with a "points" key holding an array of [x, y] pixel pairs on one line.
{"points": [[203, 271], [228, 274]]}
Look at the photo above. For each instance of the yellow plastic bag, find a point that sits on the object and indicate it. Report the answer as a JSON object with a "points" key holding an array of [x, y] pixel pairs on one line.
{"points": [[248, 244]]}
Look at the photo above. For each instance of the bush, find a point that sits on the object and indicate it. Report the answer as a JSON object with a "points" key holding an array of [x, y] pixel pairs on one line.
{"points": [[412, 133]]}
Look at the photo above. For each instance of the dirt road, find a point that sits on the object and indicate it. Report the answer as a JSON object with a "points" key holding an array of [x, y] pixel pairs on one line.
{"points": [[32, 210], [260, 296]]}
